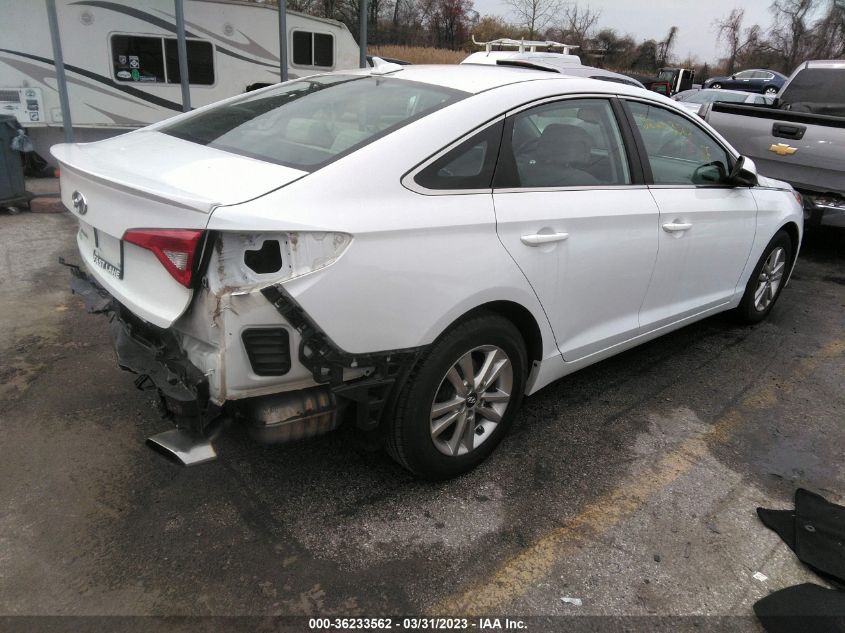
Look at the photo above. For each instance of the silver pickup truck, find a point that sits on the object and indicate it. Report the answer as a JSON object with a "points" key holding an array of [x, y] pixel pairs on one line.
{"points": [[800, 138]]}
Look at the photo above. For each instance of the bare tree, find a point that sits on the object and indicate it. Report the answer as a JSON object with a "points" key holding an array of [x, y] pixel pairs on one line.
{"points": [[729, 31], [790, 30], [578, 24], [664, 47], [534, 15]]}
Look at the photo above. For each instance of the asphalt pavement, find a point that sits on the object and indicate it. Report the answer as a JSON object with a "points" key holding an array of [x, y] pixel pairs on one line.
{"points": [[628, 488]]}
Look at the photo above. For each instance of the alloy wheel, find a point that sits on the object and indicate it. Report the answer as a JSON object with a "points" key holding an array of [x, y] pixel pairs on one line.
{"points": [[471, 400], [770, 279]]}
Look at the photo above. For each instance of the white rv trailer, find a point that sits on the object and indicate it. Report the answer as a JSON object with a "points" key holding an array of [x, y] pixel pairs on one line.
{"points": [[122, 66]]}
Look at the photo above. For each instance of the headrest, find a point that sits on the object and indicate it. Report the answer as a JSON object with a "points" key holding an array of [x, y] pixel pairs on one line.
{"points": [[564, 145]]}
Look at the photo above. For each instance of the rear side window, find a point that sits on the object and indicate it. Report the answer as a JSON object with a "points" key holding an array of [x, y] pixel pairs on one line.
{"points": [[571, 143], [470, 165], [308, 123], [313, 49]]}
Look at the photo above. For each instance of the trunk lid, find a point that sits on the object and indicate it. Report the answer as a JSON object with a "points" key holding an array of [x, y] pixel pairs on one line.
{"points": [[149, 180]]}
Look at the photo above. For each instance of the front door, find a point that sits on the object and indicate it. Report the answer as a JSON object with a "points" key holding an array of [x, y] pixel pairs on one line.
{"points": [[706, 226]]}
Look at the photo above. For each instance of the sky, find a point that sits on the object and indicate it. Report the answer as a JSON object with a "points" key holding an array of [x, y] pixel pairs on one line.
{"points": [[647, 19]]}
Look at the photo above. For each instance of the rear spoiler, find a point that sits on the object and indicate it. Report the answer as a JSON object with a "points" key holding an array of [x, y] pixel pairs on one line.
{"points": [[74, 158]]}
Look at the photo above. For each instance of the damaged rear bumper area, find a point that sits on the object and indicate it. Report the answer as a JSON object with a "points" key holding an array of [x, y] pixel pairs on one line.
{"points": [[157, 357], [154, 354]]}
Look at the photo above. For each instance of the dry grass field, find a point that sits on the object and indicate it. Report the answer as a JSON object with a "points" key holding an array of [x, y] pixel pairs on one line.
{"points": [[419, 54]]}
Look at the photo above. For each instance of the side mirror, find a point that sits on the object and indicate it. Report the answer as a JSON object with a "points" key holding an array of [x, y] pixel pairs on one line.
{"points": [[744, 173], [733, 76]]}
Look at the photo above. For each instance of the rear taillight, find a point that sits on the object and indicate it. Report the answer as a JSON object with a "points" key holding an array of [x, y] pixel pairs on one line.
{"points": [[176, 249]]}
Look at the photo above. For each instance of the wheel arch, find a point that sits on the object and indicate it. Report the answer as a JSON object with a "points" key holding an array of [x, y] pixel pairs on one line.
{"points": [[791, 229], [517, 314]]}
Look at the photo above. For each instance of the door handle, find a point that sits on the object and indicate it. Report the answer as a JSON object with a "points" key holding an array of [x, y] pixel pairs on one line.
{"points": [[782, 130], [674, 227], [543, 238]]}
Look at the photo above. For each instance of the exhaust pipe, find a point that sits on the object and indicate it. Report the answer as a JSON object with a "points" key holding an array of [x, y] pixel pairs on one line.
{"points": [[291, 416], [183, 446]]}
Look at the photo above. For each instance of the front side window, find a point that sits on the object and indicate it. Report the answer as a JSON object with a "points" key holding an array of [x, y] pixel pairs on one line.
{"points": [[745, 74], [308, 123], [313, 49], [156, 60], [679, 152], [572, 143]]}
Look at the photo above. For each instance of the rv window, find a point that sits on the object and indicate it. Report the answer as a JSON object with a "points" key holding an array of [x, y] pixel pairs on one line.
{"points": [[323, 50], [302, 49], [200, 62], [313, 49], [137, 58]]}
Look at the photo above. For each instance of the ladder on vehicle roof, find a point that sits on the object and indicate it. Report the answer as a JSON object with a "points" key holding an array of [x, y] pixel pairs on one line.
{"points": [[521, 45]]}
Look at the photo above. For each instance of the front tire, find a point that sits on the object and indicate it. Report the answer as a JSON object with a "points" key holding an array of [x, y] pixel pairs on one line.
{"points": [[716, 86], [460, 399], [767, 280]]}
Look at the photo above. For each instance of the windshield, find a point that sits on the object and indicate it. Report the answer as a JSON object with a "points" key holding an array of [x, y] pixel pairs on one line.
{"points": [[666, 75], [708, 96], [308, 123]]}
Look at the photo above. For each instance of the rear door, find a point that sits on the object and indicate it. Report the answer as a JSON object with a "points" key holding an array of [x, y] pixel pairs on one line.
{"points": [[577, 219], [707, 226]]}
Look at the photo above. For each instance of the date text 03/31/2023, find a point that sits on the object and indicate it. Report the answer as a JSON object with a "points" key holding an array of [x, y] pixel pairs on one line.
{"points": [[417, 624]]}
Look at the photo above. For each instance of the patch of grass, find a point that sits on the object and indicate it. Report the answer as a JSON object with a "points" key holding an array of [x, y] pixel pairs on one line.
{"points": [[419, 54]]}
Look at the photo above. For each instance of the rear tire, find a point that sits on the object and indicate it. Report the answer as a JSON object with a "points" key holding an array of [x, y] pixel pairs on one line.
{"points": [[771, 91], [460, 399], [766, 282]]}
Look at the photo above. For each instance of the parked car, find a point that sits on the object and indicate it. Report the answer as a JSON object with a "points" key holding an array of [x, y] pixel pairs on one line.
{"points": [[693, 100], [418, 249], [555, 64], [799, 139], [753, 80]]}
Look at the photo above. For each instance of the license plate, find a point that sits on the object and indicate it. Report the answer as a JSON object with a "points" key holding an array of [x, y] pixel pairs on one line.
{"points": [[108, 253]]}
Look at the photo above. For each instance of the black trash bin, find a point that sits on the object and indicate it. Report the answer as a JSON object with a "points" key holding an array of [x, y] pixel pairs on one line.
{"points": [[12, 184]]}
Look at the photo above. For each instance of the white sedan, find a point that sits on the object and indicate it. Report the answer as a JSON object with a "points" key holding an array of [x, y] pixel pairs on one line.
{"points": [[415, 248]]}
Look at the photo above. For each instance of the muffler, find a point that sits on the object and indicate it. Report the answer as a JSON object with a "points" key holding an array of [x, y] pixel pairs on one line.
{"points": [[296, 415], [183, 446]]}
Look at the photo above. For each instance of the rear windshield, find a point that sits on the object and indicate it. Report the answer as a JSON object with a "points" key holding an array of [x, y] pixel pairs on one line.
{"points": [[816, 86], [309, 123]]}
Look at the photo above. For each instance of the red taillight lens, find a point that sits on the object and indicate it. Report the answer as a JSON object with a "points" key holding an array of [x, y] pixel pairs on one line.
{"points": [[175, 248]]}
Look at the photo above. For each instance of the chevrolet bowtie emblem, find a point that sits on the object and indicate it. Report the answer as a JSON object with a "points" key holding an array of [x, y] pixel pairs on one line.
{"points": [[782, 149]]}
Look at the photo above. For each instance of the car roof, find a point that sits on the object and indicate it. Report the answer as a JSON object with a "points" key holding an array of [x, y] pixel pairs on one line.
{"points": [[552, 65], [477, 78], [491, 58], [472, 78], [824, 63]]}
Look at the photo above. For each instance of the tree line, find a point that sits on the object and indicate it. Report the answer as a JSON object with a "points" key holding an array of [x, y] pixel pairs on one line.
{"points": [[800, 30]]}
